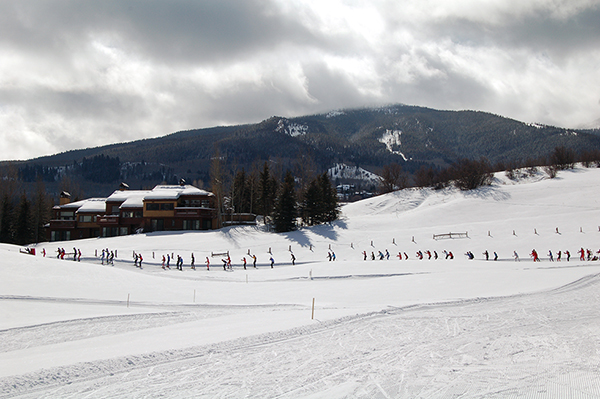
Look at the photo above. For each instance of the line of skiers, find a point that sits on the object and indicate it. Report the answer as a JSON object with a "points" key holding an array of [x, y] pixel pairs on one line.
{"points": [[109, 255], [61, 253], [403, 255]]}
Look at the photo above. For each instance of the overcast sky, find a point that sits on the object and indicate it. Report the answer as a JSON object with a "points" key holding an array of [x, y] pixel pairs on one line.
{"points": [[83, 73]]}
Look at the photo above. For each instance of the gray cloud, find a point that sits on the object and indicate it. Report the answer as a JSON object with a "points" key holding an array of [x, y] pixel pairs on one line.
{"points": [[85, 73]]}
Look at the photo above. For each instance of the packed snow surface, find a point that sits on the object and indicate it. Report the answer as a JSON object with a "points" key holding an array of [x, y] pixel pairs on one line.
{"points": [[431, 328]]}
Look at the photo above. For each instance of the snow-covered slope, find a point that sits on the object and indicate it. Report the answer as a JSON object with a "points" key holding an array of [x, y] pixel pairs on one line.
{"points": [[389, 328]]}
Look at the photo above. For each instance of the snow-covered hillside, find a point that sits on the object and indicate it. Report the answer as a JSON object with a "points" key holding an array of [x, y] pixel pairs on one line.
{"points": [[380, 328], [346, 172]]}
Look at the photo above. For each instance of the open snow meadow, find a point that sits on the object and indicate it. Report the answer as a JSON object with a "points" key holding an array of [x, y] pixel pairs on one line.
{"points": [[391, 328]]}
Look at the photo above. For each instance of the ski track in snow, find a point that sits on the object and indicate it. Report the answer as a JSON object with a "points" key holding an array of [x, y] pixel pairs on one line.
{"points": [[516, 346]]}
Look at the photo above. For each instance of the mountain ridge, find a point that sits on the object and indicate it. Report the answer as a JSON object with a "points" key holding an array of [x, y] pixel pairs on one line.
{"points": [[369, 137]]}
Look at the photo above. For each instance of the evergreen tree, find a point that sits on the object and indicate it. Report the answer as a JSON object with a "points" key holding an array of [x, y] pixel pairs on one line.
{"points": [[267, 189], [285, 206], [23, 230], [6, 223], [40, 212], [311, 204], [330, 206]]}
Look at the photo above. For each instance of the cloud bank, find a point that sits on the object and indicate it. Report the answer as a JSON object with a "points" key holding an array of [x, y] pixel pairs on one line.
{"points": [[83, 73]]}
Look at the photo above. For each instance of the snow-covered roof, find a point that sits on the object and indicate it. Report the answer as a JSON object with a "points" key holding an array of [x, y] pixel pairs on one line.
{"points": [[174, 192], [86, 205], [134, 198]]}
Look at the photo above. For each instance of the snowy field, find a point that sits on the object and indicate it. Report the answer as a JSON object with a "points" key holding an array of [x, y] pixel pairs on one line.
{"points": [[381, 329]]}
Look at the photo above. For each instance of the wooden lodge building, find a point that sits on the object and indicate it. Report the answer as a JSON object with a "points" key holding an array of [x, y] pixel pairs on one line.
{"points": [[124, 212]]}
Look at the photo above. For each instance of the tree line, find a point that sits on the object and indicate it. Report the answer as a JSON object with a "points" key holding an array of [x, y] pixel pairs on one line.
{"points": [[285, 201], [22, 217], [469, 174]]}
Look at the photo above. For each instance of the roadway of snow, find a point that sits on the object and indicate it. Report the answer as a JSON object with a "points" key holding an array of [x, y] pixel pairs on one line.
{"points": [[390, 328]]}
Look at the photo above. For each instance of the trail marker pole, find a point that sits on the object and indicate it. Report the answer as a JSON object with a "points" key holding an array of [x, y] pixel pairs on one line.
{"points": [[128, 300], [194, 296], [312, 317]]}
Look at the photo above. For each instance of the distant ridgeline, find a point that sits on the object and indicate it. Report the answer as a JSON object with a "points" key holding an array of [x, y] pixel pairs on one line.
{"points": [[366, 139]]}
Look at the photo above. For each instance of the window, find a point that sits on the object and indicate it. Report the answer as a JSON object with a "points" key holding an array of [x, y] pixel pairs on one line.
{"points": [[158, 224], [66, 215], [205, 203], [160, 207], [115, 210], [191, 225], [86, 218], [127, 214], [123, 231]]}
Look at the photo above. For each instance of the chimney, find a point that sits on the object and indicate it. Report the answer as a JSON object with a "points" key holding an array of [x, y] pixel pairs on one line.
{"points": [[123, 186], [65, 198]]}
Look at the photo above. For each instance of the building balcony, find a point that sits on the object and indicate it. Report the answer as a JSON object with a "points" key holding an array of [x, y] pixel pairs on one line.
{"points": [[62, 224], [193, 213], [108, 220]]}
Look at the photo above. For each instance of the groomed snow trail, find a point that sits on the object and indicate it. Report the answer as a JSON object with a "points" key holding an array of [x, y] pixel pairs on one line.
{"points": [[541, 345]]}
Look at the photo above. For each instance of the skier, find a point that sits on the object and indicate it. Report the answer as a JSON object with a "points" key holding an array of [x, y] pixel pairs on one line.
{"points": [[224, 264], [372, 255], [79, 255], [405, 256], [558, 256], [207, 263], [329, 256], [487, 255], [435, 255], [244, 260], [428, 252], [399, 255], [194, 266], [535, 256], [332, 256], [135, 259], [254, 261], [364, 255], [293, 260], [168, 261], [387, 255], [516, 256], [111, 258], [100, 258], [163, 262], [380, 255], [140, 259], [495, 256], [581, 254], [44, 252], [568, 255], [272, 262], [550, 256], [74, 254]]}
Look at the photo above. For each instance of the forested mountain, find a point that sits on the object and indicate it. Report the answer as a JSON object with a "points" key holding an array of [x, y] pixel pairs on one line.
{"points": [[370, 138]]}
